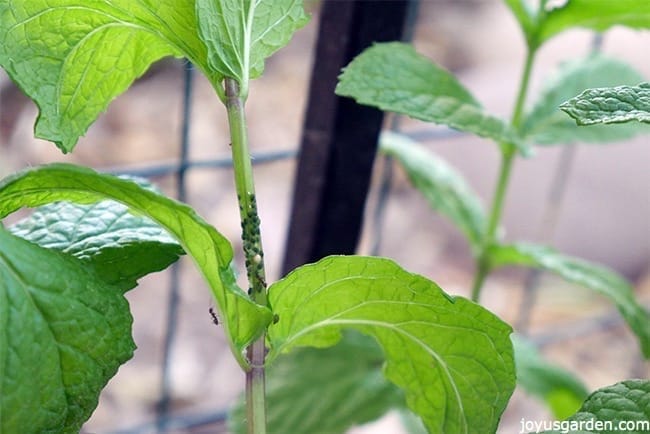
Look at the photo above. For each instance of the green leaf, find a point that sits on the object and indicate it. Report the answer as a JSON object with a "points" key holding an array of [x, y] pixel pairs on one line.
{"points": [[442, 185], [622, 407], [120, 246], [526, 17], [393, 77], [610, 105], [453, 358], [545, 124], [63, 334], [562, 391], [597, 15], [592, 276], [325, 391], [240, 35], [72, 57], [243, 320]]}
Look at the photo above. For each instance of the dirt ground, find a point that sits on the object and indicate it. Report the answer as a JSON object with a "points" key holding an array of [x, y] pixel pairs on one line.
{"points": [[604, 216]]}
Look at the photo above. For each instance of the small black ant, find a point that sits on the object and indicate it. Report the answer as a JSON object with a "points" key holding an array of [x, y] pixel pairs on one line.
{"points": [[215, 320]]}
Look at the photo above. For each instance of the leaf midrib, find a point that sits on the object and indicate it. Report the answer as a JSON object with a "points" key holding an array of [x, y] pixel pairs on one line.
{"points": [[351, 322]]}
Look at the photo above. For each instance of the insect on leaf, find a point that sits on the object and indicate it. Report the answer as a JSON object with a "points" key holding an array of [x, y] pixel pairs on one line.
{"points": [[243, 320]]}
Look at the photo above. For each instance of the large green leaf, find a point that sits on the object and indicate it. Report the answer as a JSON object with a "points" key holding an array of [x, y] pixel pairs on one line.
{"points": [[545, 124], [393, 77], [594, 14], [63, 335], [453, 358], [621, 407], [610, 105], [592, 276], [442, 185], [241, 34], [72, 57], [326, 390], [120, 246], [243, 320], [562, 391]]}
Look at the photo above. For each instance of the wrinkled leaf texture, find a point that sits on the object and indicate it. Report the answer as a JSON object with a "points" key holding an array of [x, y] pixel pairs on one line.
{"points": [[72, 57], [63, 334], [452, 357], [627, 403], [610, 105], [243, 320], [120, 246], [241, 34], [546, 124], [394, 77]]}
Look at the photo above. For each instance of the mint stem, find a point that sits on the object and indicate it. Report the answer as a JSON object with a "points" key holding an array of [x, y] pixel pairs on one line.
{"points": [[253, 252], [508, 152]]}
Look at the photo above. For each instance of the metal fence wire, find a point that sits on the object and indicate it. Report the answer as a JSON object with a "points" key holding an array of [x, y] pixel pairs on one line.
{"points": [[166, 420]]}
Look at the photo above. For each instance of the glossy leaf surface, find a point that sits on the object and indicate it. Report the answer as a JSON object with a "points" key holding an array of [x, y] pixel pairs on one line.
{"points": [[243, 320], [63, 334], [452, 358]]}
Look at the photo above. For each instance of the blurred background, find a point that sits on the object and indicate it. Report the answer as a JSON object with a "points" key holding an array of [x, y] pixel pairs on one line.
{"points": [[603, 211]]}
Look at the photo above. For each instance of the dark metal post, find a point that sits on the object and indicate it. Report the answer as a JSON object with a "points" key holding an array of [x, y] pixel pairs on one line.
{"points": [[339, 139]]}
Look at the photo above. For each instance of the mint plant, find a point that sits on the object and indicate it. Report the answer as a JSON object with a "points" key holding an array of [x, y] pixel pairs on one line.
{"points": [[610, 105], [395, 78], [622, 406], [65, 325]]}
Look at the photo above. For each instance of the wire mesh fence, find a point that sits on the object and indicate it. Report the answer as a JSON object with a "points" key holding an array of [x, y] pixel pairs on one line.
{"points": [[169, 420]]}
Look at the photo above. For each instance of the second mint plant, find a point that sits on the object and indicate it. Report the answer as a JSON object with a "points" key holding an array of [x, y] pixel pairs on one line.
{"points": [[64, 322]]}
